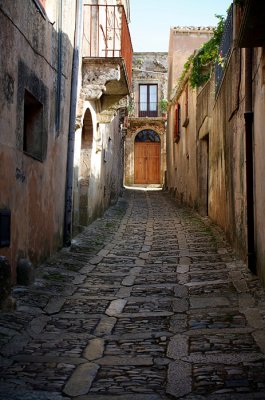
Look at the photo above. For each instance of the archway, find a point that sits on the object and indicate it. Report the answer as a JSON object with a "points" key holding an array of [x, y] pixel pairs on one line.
{"points": [[147, 149], [85, 166]]}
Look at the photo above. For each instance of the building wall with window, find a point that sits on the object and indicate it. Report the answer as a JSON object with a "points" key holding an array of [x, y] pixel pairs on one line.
{"points": [[236, 165], [147, 112], [181, 124], [182, 142], [229, 138], [35, 75]]}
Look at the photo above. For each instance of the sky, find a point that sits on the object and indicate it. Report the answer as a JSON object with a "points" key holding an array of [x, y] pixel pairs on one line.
{"points": [[151, 19]]}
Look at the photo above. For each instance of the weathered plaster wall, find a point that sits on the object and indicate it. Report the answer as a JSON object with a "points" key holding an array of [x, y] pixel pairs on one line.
{"points": [[182, 43], [105, 166], [259, 147], [181, 164], [220, 128], [182, 175], [33, 190], [227, 155]]}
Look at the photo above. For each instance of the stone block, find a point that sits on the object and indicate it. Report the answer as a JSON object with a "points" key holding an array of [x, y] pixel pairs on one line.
{"points": [[25, 272]]}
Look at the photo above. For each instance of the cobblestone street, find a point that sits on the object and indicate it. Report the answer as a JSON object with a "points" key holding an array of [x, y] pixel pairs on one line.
{"points": [[149, 303]]}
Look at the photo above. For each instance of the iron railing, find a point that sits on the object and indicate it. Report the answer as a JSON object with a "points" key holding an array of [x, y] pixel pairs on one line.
{"points": [[224, 49], [106, 34]]}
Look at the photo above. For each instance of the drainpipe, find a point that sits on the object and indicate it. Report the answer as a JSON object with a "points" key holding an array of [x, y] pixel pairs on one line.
{"points": [[251, 256], [71, 134], [59, 69]]}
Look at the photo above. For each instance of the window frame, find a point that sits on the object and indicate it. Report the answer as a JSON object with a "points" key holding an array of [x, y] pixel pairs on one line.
{"points": [[186, 122], [177, 124], [33, 132], [148, 112]]}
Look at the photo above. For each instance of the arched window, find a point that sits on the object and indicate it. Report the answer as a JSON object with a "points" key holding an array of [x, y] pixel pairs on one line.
{"points": [[147, 135]]}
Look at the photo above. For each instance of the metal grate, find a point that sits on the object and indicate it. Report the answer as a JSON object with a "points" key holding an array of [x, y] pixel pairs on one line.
{"points": [[225, 48]]}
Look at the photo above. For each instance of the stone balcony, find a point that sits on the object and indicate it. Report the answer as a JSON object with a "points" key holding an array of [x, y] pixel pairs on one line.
{"points": [[107, 58]]}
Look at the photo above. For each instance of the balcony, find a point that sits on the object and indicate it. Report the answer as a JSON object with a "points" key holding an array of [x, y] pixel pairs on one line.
{"points": [[107, 55]]}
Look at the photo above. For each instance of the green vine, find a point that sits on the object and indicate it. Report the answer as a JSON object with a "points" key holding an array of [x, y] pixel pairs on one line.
{"points": [[201, 64]]}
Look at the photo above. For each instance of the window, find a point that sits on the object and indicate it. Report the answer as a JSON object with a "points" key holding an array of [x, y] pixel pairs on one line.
{"points": [[33, 143], [186, 122], [5, 222], [148, 101], [177, 123]]}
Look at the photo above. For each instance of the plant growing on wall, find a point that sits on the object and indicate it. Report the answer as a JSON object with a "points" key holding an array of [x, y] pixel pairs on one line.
{"points": [[163, 105], [201, 64], [130, 107]]}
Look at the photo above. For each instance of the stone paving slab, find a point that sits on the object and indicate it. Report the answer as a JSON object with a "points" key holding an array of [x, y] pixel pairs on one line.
{"points": [[149, 303]]}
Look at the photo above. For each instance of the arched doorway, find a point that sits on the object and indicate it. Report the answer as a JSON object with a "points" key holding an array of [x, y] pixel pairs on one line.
{"points": [[85, 167], [147, 148]]}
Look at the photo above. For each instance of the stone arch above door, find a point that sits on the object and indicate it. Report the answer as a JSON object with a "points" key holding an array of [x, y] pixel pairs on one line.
{"points": [[147, 135]]}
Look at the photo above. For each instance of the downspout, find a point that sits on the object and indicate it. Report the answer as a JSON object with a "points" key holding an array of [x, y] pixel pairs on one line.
{"points": [[248, 115], [71, 134], [59, 69]]}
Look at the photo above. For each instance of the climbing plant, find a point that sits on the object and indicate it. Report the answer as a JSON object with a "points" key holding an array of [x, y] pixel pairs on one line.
{"points": [[201, 64]]}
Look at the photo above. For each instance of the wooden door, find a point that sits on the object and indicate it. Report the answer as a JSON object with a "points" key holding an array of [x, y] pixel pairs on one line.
{"points": [[146, 162]]}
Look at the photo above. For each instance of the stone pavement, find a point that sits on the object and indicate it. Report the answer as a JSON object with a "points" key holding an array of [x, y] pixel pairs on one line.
{"points": [[149, 303]]}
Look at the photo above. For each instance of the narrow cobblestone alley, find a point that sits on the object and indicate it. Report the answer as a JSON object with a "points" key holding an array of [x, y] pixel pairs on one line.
{"points": [[149, 303]]}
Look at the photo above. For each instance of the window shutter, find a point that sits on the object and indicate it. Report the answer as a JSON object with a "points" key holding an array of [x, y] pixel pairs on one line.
{"points": [[176, 122]]}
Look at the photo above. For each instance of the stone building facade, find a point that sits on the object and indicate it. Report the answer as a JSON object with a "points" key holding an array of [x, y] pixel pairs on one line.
{"points": [[145, 142], [228, 117], [36, 41], [105, 79]]}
